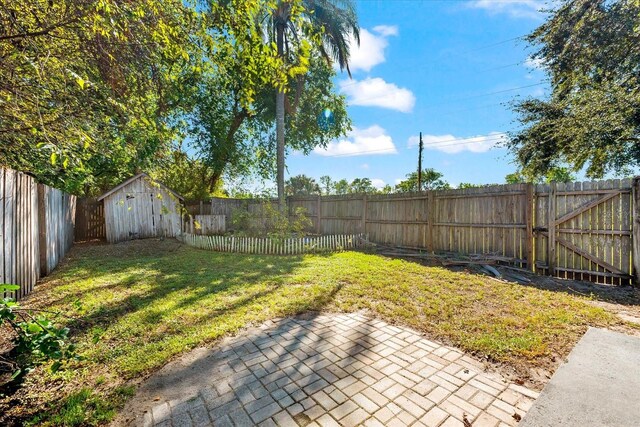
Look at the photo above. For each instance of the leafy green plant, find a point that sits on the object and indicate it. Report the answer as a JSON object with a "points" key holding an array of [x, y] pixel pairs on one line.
{"points": [[36, 339], [270, 221]]}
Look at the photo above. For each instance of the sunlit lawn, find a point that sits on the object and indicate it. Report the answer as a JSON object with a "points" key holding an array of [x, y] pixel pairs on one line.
{"points": [[138, 305]]}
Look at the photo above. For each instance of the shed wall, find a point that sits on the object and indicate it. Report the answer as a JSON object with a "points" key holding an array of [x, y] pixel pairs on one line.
{"points": [[141, 209]]}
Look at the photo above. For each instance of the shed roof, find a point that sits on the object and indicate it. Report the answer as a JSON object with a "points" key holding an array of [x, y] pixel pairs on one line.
{"points": [[130, 180]]}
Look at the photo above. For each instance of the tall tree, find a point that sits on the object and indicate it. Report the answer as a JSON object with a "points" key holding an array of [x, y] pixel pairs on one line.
{"points": [[186, 175], [330, 24], [238, 140], [590, 50], [431, 180], [342, 187], [302, 185], [362, 186], [90, 90], [327, 184]]}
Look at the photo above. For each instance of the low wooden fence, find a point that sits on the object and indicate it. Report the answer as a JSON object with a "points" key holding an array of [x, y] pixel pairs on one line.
{"points": [[582, 230], [272, 246], [36, 229]]}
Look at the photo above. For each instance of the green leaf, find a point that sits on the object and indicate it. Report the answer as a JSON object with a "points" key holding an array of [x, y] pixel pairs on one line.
{"points": [[81, 82], [54, 158]]}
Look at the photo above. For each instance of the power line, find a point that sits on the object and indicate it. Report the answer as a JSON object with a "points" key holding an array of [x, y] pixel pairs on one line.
{"points": [[438, 144]]}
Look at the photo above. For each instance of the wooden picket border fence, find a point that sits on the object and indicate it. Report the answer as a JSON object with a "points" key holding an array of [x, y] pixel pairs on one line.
{"points": [[274, 246]]}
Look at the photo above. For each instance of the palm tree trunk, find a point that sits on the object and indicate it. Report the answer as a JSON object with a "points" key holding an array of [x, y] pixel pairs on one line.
{"points": [[280, 127]]}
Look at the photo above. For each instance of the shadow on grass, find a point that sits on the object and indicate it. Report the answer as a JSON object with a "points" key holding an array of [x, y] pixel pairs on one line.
{"points": [[147, 301], [623, 295]]}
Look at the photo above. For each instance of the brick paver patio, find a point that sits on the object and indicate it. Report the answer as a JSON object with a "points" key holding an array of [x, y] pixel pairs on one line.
{"points": [[331, 370]]}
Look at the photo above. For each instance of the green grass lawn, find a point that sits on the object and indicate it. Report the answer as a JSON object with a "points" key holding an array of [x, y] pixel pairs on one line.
{"points": [[134, 307]]}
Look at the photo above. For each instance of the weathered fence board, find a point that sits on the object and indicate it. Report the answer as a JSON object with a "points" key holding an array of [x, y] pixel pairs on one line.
{"points": [[36, 229], [582, 230], [209, 224]]}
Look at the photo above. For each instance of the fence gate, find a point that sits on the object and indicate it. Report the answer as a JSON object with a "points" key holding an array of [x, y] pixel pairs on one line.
{"points": [[584, 230], [89, 220]]}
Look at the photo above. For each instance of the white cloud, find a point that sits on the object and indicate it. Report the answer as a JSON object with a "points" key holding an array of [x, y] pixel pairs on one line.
{"points": [[451, 144], [386, 30], [378, 183], [370, 141], [375, 92], [365, 166], [534, 63], [398, 180], [370, 52], [515, 8]]}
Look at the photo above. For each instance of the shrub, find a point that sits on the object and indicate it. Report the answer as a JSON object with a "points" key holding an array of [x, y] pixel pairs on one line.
{"points": [[35, 339], [270, 221]]}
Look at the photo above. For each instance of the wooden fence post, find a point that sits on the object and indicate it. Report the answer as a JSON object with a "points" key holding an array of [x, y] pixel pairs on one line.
{"points": [[319, 215], [551, 227], [529, 206], [42, 230], [430, 210], [201, 207], [364, 214], [635, 227]]}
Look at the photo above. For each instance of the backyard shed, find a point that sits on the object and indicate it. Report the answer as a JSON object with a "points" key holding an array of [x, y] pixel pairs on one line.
{"points": [[141, 208]]}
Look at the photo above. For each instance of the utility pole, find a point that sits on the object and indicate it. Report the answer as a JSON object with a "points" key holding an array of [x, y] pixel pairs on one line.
{"points": [[420, 164]]}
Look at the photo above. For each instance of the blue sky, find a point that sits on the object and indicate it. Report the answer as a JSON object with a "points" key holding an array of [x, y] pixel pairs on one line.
{"points": [[445, 68]]}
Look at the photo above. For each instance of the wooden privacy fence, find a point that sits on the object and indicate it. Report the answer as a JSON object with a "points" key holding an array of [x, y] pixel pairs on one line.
{"points": [[590, 235], [36, 228], [272, 246], [205, 224]]}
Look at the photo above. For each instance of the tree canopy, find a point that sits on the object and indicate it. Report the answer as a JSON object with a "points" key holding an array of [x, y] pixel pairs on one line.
{"points": [[590, 50], [431, 180], [92, 92], [555, 174]]}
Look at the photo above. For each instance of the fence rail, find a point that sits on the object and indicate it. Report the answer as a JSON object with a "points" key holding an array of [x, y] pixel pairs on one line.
{"points": [[271, 246], [582, 230], [36, 229]]}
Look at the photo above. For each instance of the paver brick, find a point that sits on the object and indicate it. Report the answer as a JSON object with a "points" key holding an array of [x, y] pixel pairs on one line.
{"points": [[344, 370], [434, 417], [265, 412], [486, 420], [314, 412], [283, 419], [327, 421], [481, 399], [355, 418], [354, 388], [239, 417], [181, 420], [258, 404], [384, 414], [343, 410], [365, 403], [324, 400], [200, 416], [377, 398]]}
